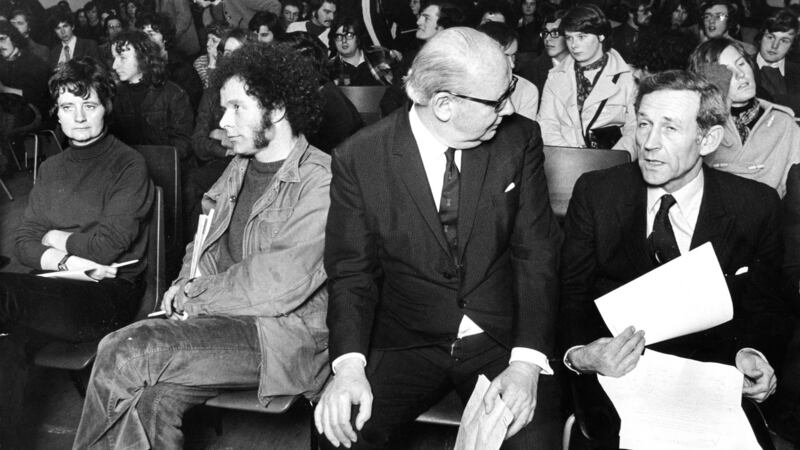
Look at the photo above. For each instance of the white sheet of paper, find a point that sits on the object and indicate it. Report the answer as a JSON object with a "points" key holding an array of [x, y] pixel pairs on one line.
{"points": [[69, 275], [478, 430], [684, 296], [668, 402]]}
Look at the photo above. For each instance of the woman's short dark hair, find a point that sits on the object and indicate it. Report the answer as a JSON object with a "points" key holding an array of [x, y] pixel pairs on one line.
{"points": [[349, 24], [79, 77], [278, 77], [148, 55], [713, 106], [500, 32], [587, 18], [13, 34], [160, 23], [268, 19]]}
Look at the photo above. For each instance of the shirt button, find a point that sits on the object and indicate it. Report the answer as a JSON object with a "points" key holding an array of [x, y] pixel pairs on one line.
{"points": [[462, 303]]}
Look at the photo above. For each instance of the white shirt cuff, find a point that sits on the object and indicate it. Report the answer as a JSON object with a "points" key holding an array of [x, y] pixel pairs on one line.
{"points": [[346, 356], [532, 356], [752, 351], [566, 361]]}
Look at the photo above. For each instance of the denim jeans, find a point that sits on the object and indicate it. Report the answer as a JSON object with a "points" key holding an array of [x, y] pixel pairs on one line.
{"points": [[147, 375]]}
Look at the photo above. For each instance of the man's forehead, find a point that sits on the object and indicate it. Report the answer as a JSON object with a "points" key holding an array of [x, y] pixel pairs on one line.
{"points": [[670, 104]]}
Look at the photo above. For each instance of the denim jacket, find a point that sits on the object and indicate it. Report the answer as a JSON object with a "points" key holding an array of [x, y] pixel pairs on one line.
{"points": [[281, 278]]}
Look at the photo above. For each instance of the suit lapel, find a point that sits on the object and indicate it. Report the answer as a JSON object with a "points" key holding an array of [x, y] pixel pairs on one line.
{"points": [[407, 162], [713, 222], [473, 171], [632, 217]]}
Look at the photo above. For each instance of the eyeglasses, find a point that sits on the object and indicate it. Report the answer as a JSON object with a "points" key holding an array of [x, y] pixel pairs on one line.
{"points": [[552, 34], [349, 36], [496, 104], [717, 17]]}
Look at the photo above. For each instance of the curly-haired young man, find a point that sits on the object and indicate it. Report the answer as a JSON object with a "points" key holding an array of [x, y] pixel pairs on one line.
{"points": [[253, 314]]}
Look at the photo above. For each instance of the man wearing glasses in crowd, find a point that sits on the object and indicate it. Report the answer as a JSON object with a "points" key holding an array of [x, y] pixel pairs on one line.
{"points": [[441, 251], [555, 50], [720, 20]]}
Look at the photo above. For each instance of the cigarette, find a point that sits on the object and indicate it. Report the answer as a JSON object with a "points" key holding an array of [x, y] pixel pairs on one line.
{"points": [[126, 263], [157, 314]]}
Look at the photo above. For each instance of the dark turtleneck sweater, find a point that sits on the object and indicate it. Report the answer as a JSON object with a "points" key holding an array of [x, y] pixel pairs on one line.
{"points": [[102, 194]]}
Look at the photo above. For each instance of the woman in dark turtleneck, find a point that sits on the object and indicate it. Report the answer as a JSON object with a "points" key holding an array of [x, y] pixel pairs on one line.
{"points": [[761, 139], [87, 211]]}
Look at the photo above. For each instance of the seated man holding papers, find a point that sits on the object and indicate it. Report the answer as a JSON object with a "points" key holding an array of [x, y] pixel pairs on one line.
{"points": [[625, 221], [251, 314]]}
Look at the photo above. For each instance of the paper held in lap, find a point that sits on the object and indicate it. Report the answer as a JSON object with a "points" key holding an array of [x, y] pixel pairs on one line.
{"points": [[668, 402], [478, 430]]}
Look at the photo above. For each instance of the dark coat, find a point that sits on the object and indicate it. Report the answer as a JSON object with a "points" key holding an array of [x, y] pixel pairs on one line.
{"points": [[389, 265], [83, 47]]}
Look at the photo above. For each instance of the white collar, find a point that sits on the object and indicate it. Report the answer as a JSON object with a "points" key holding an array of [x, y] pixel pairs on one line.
{"points": [[687, 198], [426, 140], [780, 65]]}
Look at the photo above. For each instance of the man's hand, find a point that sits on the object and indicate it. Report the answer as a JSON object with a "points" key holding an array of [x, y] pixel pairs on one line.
{"points": [[348, 387], [102, 272], [173, 301], [610, 357], [759, 377], [517, 386], [56, 239]]}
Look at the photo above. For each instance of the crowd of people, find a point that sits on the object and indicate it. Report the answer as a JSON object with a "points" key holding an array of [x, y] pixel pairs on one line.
{"points": [[375, 269]]}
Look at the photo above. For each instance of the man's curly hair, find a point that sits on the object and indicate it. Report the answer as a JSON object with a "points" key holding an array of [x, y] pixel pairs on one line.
{"points": [[148, 55], [278, 77]]}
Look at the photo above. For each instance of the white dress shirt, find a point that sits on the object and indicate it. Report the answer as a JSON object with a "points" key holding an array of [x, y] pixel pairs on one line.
{"points": [[780, 65], [432, 150], [683, 214]]}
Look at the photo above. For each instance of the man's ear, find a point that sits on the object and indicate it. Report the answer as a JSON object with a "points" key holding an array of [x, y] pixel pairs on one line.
{"points": [[277, 114], [711, 140], [441, 104]]}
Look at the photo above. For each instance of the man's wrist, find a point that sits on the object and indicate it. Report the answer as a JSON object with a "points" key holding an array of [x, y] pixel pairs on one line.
{"points": [[570, 363], [347, 361]]}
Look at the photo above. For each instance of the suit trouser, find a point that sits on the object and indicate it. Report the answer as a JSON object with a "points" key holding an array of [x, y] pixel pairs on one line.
{"points": [[35, 310], [406, 383], [147, 375]]}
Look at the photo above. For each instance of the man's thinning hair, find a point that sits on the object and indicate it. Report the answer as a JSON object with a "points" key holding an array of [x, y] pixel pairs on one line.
{"points": [[445, 61], [713, 107], [278, 77]]}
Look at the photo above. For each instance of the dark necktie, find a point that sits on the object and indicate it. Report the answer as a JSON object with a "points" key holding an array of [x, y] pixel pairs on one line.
{"points": [[663, 245], [67, 55], [448, 206], [772, 81]]}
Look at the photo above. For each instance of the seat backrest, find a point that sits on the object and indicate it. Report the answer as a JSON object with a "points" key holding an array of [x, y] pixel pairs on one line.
{"points": [[154, 274], [165, 170], [564, 165], [366, 99]]}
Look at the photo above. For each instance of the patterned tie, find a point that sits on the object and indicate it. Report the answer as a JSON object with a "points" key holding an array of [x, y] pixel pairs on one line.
{"points": [[448, 206], [67, 55], [663, 245]]}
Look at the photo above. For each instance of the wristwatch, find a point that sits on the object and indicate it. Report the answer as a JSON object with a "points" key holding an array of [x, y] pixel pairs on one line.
{"points": [[62, 265]]}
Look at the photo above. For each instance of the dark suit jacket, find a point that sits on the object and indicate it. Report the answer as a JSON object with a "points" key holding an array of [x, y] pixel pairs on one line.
{"points": [[790, 94], [83, 47], [387, 260], [605, 247]]}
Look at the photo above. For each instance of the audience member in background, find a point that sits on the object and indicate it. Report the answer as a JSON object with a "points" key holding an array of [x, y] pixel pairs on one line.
{"points": [[721, 19], [524, 96], [530, 26], [208, 61], [21, 72], [254, 314], [322, 14], [94, 26], [212, 148], [184, 37], [82, 24], [339, 118], [290, 12], [761, 139], [264, 27], [160, 30], [555, 50], [492, 11], [87, 210], [113, 25], [239, 12], [69, 46], [779, 79], [22, 22], [640, 16], [625, 221], [132, 9], [588, 97], [149, 109], [678, 15], [657, 52], [355, 62], [434, 282]]}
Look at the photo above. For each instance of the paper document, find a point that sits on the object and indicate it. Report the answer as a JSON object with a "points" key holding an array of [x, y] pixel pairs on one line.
{"points": [[481, 431], [203, 225], [668, 402], [79, 275], [684, 296]]}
